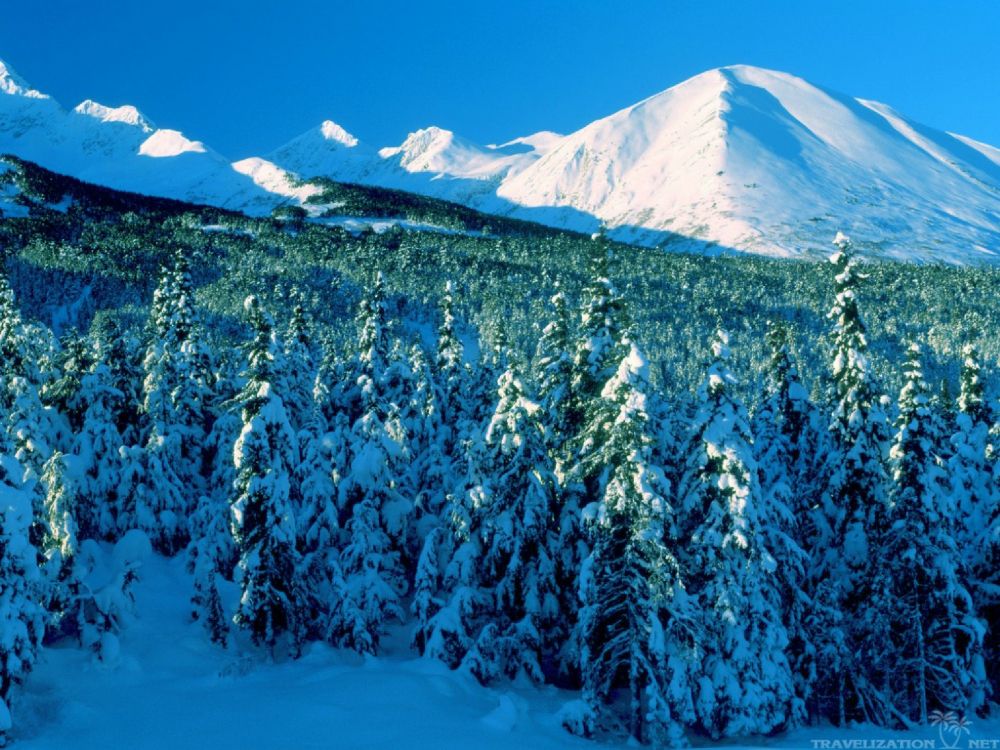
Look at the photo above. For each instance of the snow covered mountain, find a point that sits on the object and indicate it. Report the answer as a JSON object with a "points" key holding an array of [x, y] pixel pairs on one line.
{"points": [[735, 158], [120, 148], [766, 162], [431, 161], [740, 158], [329, 150]]}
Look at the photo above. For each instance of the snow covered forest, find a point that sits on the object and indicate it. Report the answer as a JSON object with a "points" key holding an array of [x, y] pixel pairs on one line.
{"points": [[692, 563]]}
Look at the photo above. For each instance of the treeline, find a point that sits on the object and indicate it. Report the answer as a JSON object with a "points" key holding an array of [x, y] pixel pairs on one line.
{"points": [[689, 567], [98, 255]]}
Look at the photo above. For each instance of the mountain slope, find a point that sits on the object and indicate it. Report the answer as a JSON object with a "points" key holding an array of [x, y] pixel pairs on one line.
{"points": [[766, 162]]}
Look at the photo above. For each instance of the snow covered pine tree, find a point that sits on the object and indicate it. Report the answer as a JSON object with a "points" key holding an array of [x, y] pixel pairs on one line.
{"points": [[635, 621], [262, 518], [745, 683]]}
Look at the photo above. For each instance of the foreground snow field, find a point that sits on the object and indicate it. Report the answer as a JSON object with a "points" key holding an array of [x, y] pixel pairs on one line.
{"points": [[171, 688]]}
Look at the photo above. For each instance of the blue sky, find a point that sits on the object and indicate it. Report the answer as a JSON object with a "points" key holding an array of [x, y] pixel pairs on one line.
{"points": [[247, 76]]}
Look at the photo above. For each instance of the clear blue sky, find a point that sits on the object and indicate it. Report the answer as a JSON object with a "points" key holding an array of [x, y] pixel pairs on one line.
{"points": [[247, 76]]}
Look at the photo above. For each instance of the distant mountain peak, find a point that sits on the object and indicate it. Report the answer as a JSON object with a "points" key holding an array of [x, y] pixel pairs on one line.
{"points": [[423, 141], [434, 149], [126, 114], [331, 131], [165, 142], [11, 83]]}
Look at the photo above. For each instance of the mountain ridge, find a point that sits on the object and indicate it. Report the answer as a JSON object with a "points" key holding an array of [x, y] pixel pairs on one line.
{"points": [[736, 157]]}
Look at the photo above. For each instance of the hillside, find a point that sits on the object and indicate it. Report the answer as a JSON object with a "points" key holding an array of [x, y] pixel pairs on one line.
{"points": [[63, 236]]}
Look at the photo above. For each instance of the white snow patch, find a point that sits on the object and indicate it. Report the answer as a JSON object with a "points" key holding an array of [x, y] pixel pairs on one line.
{"points": [[11, 83]]}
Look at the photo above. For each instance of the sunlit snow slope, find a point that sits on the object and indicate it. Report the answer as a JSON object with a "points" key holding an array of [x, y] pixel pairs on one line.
{"points": [[764, 161]]}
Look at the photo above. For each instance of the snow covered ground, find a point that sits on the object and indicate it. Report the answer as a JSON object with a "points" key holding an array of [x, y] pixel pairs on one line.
{"points": [[171, 688]]}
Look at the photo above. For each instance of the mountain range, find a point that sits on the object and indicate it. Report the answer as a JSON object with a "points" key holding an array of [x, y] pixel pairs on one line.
{"points": [[736, 158]]}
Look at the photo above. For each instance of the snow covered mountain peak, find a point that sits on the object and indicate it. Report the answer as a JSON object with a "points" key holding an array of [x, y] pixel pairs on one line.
{"points": [[758, 160], [444, 154], [328, 151], [166, 142], [11, 83], [126, 114], [331, 131], [426, 150]]}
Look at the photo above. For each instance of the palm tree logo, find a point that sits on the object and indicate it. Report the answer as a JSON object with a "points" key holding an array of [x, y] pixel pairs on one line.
{"points": [[951, 727]]}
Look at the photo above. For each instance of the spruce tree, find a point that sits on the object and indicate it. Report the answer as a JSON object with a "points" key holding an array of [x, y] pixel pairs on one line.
{"points": [[212, 553], [192, 391], [299, 368], [160, 505], [262, 519], [15, 354], [32, 428], [509, 523], [211, 557], [118, 350], [21, 622], [98, 446], [73, 359], [789, 449], [554, 372], [177, 401], [635, 621], [376, 514], [448, 363], [371, 562], [746, 685], [601, 337], [602, 326], [855, 512], [937, 662], [974, 473], [318, 522], [443, 484], [423, 421], [59, 547]]}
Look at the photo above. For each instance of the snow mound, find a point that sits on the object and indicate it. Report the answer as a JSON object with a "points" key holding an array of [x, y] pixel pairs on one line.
{"points": [[132, 549], [503, 718]]}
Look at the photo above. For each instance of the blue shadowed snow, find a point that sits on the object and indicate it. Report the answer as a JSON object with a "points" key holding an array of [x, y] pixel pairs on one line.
{"points": [[172, 688]]}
